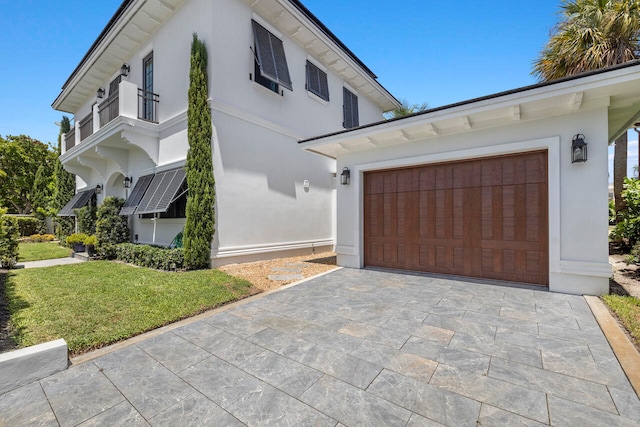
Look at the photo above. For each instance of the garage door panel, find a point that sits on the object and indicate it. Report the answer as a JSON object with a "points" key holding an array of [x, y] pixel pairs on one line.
{"points": [[481, 218]]}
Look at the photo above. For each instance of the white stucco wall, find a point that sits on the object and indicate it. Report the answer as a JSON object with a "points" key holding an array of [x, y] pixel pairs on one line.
{"points": [[261, 202], [578, 217]]}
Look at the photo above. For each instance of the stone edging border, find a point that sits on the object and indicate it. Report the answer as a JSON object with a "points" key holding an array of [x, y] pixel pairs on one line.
{"points": [[624, 349]]}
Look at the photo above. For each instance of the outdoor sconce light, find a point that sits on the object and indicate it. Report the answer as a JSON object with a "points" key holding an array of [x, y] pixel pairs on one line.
{"points": [[578, 149], [345, 176], [127, 182], [124, 70], [99, 189], [100, 93]]}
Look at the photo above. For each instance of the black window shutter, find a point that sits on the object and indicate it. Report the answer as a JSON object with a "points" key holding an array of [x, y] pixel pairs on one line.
{"points": [[317, 81], [270, 55], [351, 119]]}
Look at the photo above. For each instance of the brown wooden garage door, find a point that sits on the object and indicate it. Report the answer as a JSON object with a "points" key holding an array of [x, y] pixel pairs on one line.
{"points": [[483, 218]]}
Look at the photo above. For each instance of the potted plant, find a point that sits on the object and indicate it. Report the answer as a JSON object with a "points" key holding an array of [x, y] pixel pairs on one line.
{"points": [[76, 242], [90, 245]]}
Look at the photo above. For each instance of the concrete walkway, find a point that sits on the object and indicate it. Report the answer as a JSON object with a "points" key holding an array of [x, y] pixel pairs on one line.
{"points": [[48, 262], [354, 348]]}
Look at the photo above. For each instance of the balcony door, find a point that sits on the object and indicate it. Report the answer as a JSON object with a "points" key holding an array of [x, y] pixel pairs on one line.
{"points": [[147, 87]]}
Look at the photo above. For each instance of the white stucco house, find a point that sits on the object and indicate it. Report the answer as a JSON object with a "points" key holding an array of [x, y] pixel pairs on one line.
{"points": [[276, 75], [488, 188]]}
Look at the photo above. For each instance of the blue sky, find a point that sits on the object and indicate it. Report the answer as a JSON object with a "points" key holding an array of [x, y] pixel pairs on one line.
{"points": [[422, 51]]}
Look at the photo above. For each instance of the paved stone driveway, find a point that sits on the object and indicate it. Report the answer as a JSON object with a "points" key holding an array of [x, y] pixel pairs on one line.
{"points": [[354, 348]]}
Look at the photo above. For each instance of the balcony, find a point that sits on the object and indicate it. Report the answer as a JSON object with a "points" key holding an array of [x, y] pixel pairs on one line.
{"points": [[128, 102], [103, 141]]}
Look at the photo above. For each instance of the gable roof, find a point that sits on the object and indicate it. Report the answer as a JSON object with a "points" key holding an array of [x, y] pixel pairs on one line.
{"points": [[616, 87], [77, 88]]}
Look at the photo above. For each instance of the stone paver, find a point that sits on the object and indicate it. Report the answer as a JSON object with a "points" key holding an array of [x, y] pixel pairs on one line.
{"points": [[351, 348]]}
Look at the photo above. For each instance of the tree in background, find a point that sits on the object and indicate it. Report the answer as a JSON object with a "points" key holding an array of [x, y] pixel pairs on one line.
{"points": [[199, 227], [594, 34], [20, 156], [406, 109], [64, 187], [41, 196], [8, 240]]}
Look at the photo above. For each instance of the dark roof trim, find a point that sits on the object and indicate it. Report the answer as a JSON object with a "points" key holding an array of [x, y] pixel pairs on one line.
{"points": [[123, 7], [327, 32], [483, 98]]}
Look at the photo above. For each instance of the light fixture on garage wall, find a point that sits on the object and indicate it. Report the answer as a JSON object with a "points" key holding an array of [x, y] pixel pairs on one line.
{"points": [[127, 182], [578, 149], [345, 176], [100, 93], [124, 70], [99, 189]]}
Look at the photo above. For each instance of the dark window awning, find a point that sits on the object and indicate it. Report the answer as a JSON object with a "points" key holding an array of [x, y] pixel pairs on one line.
{"points": [[272, 61], [162, 191], [137, 193], [78, 201]]}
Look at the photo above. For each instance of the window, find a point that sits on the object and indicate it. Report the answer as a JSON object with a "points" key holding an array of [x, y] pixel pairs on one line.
{"points": [[317, 81], [271, 85], [350, 110], [271, 61], [147, 88]]}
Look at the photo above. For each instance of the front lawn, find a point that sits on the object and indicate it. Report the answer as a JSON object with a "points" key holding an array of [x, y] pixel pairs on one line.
{"points": [[37, 251], [97, 303], [627, 308]]}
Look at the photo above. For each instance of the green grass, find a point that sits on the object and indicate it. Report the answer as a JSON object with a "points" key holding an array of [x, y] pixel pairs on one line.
{"points": [[36, 251], [627, 309], [97, 303]]}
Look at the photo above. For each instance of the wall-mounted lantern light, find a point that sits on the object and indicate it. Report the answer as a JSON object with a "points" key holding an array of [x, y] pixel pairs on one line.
{"points": [[99, 189], [127, 182], [345, 176], [578, 149], [100, 93], [124, 70]]}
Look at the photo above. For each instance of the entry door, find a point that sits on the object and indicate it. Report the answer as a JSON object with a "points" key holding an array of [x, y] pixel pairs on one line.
{"points": [[485, 218]]}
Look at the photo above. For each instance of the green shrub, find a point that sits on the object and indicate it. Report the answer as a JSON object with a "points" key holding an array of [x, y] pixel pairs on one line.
{"points": [[150, 256], [64, 226], [76, 238], [111, 228], [86, 217], [91, 240], [612, 212], [41, 238], [27, 225], [9, 234], [628, 229]]}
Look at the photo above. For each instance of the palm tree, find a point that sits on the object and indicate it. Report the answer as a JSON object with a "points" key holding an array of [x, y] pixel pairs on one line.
{"points": [[406, 109], [594, 34]]}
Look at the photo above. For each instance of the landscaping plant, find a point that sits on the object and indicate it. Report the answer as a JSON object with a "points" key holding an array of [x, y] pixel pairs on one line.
{"points": [[628, 227], [8, 240], [86, 217], [64, 187], [199, 227], [111, 228]]}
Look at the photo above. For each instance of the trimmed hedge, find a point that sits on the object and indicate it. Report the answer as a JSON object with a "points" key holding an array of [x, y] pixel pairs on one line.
{"points": [[151, 256], [27, 225], [8, 240]]}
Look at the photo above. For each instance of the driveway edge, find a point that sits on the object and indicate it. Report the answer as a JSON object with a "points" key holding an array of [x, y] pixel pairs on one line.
{"points": [[623, 348]]}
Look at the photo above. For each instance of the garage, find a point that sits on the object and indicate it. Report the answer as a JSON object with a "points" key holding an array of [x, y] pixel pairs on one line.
{"points": [[484, 218]]}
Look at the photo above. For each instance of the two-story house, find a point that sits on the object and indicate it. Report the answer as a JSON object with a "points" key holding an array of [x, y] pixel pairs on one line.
{"points": [[276, 75]]}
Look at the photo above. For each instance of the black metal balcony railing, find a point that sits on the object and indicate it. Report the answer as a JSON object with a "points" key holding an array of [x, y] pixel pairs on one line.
{"points": [[86, 127], [109, 109], [70, 139], [148, 105]]}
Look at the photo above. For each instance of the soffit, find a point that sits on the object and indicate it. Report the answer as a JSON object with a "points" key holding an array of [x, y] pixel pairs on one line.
{"points": [[618, 91], [299, 28], [128, 34]]}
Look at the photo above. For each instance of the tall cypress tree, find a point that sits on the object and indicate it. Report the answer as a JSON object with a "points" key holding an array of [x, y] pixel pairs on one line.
{"points": [[65, 186], [199, 228]]}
